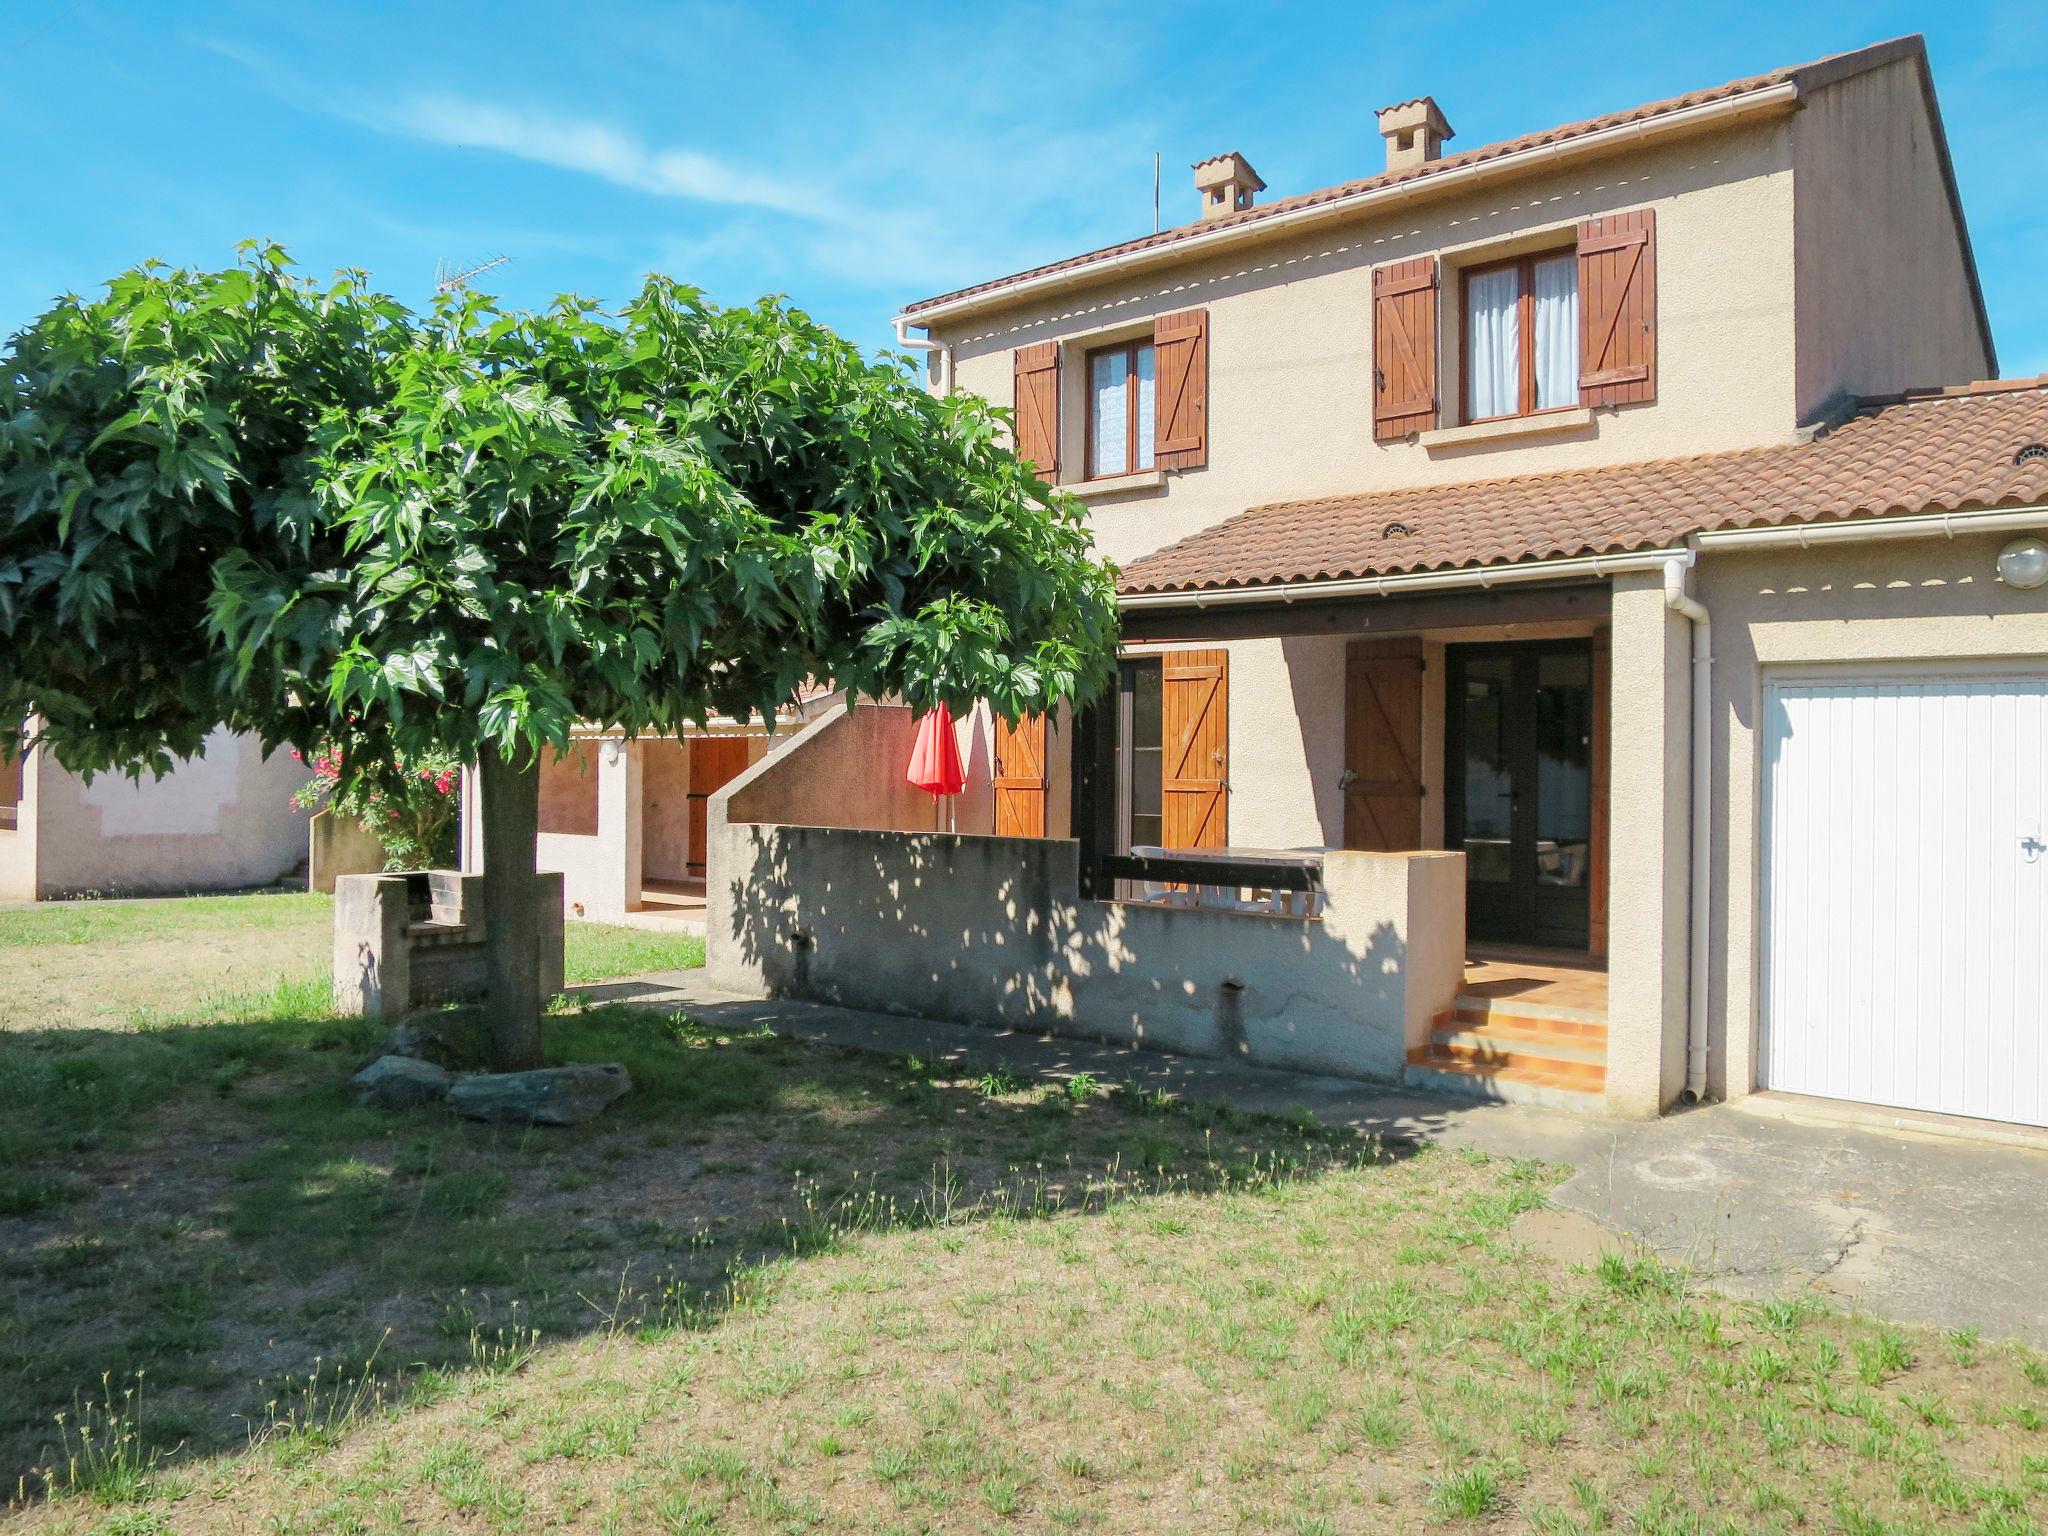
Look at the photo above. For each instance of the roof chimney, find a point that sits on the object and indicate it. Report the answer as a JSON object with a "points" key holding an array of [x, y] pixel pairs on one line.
{"points": [[1226, 183], [1415, 132]]}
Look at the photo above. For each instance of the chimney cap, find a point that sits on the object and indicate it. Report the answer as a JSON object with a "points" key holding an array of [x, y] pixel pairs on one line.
{"points": [[1418, 112], [1227, 167]]}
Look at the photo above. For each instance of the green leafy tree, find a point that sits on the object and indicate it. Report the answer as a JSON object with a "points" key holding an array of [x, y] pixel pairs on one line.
{"points": [[305, 511]]}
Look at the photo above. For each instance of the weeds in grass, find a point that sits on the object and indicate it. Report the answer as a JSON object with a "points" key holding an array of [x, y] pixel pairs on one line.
{"points": [[1884, 1354], [1082, 1087], [998, 1083], [100, 1450], [1467, 1494], [310, 1412]]}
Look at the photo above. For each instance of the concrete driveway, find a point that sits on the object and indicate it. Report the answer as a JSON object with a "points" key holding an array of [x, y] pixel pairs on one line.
{"points": [[1937, 1231]]}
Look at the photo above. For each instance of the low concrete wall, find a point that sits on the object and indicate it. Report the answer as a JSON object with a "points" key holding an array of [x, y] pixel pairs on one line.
{"points": [[989, 930], [337, 846], [413, 940]]}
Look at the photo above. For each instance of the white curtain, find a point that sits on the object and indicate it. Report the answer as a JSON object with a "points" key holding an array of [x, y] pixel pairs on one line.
{"points": [[1493, 353], [1557, 332], [1145, 409], [1109, 377]]}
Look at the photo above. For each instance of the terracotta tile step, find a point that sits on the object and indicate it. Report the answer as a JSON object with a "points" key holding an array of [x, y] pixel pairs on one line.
{"points": [[1567, 1073], [1494, 1042], [1521, 1026], [1480, 1003]]}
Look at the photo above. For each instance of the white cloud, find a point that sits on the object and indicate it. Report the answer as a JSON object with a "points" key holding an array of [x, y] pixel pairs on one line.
{"points": [[596, 149]]}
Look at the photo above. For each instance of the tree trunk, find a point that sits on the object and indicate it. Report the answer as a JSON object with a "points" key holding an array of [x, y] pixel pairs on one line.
{"points": [[511, 821]]}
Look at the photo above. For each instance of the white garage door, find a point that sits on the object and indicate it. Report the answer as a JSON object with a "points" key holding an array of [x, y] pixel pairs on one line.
{"points": [[1905, 878]]}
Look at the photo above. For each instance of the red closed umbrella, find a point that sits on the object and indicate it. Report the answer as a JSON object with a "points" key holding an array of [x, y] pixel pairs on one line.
{"points": [[935, 765]]}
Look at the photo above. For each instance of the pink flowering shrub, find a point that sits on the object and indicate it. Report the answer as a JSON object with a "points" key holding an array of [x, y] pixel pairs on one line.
{"points": [[408, 804]]}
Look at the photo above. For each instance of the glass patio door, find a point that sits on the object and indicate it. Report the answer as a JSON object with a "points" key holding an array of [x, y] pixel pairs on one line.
{"points": [[1518, 751]]}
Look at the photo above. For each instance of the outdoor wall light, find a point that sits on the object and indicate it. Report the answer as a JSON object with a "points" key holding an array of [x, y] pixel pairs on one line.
{"points": [[2024, 564], [615, 749]]}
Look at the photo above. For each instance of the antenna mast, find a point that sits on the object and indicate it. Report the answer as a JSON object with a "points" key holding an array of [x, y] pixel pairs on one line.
{"points": [[446, 281], [1155, 191]]}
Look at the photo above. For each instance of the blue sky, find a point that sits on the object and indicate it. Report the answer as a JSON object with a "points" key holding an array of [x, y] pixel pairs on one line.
{"points": [[855, 157]]}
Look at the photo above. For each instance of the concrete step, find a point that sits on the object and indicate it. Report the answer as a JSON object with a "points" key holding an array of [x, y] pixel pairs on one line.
{"points": [[1525, 1085]]}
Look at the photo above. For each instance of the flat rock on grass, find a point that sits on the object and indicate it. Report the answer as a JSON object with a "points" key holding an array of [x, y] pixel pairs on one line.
{"points": [[549, 1096], [400, 1082]]}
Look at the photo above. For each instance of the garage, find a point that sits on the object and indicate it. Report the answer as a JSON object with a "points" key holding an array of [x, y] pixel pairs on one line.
{"points": [[1905, 890]]}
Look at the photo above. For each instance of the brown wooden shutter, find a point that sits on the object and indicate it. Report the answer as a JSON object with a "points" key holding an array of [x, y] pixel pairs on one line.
{"points": [[1038, 408], [1180, 400], [1601, 753], [1404, 348], [1194, 703], [1383, 745], [1020, 777], [1618, 309]]}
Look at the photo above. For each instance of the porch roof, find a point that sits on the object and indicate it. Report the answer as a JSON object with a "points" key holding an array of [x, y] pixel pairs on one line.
{"points": [[1951, 450]]}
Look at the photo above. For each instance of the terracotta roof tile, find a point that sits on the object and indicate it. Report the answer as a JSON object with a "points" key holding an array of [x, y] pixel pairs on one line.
{"points": [[1818, 71], [1947, 451]]}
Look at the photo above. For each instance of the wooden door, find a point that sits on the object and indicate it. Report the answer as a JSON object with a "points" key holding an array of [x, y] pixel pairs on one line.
{"points": [[1195, 722], [1383, 745], [715, 761], [1020, 783]]}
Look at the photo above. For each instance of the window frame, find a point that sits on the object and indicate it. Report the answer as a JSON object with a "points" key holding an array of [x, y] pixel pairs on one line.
{"points": [[1130, 350], [1525, 328]]}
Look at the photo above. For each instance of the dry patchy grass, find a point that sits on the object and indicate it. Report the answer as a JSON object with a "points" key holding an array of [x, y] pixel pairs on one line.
{"points": [[114, 964], [784, 1288]]}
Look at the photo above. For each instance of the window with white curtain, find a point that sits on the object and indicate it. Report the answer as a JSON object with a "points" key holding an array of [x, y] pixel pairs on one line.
{"points": [[1522, 336], [1120, 406]]}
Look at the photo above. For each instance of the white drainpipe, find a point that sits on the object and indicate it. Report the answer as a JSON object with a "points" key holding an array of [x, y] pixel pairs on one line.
{"points": [[1682, 602], [926, 344]]}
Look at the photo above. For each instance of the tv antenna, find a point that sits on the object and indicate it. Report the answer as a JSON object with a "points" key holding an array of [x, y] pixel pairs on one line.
{"points": [[448, 279]]}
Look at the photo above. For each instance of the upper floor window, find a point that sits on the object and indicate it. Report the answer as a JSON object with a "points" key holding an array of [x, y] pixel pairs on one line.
{"points": [[1120, 410], [1521, 336]]}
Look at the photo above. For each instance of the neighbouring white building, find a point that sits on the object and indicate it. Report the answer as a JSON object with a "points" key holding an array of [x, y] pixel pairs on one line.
{"points": [[222, 820]]}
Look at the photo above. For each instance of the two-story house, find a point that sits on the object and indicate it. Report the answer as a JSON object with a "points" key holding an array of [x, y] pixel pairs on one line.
{"points": [[1617, 509]]}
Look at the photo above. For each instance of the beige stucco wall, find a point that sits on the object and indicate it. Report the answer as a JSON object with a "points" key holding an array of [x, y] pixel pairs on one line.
{"points": [[1881, 278], [1893, 605], [1290, 347], [220, 821], [1649, 828]]}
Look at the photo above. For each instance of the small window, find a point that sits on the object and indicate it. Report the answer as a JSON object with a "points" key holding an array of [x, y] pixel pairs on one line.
{"points": [[1522, 337], [1120, 410]]}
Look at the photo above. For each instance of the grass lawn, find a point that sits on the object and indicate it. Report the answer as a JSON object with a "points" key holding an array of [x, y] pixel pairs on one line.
{"points": [[117, 964], [787, 1288]]}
